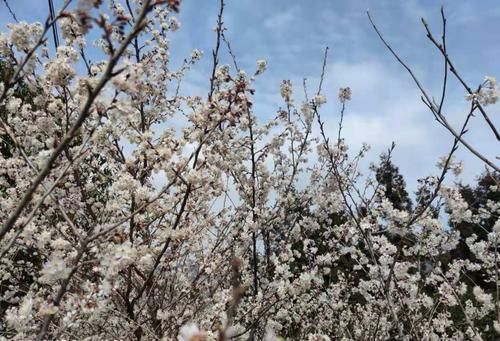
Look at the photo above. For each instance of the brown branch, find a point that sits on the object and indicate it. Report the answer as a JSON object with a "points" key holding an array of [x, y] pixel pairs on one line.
{"points": [[84, 114], [430, 104], [453, 70]]}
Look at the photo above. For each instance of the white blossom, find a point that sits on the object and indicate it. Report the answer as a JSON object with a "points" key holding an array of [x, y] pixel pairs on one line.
{"points": [[345, 94], [487, 94], [190, 332], [55, 269], [261, 66]]}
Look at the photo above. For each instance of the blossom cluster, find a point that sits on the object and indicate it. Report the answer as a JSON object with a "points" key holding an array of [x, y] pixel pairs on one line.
{"points": [[488, 92]]}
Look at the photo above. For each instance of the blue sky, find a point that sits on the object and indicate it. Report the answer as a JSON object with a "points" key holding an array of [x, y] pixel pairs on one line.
{"points": [[292, 34]]}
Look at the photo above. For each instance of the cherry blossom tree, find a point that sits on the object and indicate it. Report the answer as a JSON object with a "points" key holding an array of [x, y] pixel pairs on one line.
{"points": [[131, 211]]}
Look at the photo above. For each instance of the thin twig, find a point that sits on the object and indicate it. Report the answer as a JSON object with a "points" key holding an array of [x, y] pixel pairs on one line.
{"points": [[430, 104], [12, 14]]}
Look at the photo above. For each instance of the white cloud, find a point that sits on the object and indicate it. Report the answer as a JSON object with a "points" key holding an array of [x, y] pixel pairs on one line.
{"points": [[280, 20]]}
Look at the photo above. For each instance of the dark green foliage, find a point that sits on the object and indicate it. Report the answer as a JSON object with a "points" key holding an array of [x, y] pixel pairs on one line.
{"points": [[387, 175], [477, 198]]}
